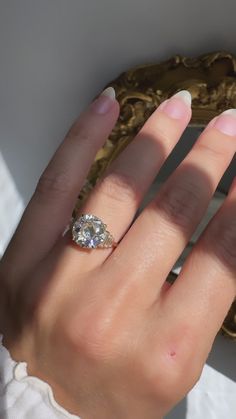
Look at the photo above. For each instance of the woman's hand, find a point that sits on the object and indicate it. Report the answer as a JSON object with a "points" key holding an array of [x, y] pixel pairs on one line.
{"points": [[102, 326]]}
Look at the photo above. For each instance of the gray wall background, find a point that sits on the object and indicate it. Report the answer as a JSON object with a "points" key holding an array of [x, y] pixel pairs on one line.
{"points": [[57, 55]]}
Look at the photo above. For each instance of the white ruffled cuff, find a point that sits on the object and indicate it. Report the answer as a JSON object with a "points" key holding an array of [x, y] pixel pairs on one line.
{"points": [[23, 396]]}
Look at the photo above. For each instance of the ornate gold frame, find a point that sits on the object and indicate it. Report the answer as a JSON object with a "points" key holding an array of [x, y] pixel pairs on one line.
{"points": [[211, 79]]}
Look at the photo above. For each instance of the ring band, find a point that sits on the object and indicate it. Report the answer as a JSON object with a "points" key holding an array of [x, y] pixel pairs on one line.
{"points": [[89, 231]]}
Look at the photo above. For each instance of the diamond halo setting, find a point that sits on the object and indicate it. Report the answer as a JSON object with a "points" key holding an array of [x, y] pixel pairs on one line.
{"points": [[89, 231]]}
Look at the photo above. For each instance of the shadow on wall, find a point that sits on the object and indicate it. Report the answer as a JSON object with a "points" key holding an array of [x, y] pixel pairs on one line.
{"points": [[179, 412], [222, 357]]}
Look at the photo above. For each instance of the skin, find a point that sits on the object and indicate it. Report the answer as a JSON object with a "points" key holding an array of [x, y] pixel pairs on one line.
{"points": [[102, 326]]}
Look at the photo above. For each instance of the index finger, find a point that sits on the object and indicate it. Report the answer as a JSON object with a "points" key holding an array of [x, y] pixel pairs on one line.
{"points": [[52, 203]]}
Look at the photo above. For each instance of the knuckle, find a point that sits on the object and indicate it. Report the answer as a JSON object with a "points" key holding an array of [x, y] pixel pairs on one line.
{"points": [[173, 383], [119, 187], [214, 153], [93, 339], [160, 380], [91, 347], [80, 131], [166, 374], [223, 236], [84, 136], [165, 136], [52, 185], [179, 203]]}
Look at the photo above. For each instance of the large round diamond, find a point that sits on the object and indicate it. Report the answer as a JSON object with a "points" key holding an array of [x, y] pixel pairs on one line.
{"points": [[89, 231]]}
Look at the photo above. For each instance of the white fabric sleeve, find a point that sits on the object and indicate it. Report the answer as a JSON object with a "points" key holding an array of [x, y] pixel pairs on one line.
{"points": [[23, 396]]}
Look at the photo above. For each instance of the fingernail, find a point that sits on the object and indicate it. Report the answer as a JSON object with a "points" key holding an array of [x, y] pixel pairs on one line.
{"points": [[105, 101], [185, 95], [225, 122], [175, 107]]}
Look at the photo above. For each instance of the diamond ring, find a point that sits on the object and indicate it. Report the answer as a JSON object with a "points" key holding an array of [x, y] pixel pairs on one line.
{"points": [[89, 231]]}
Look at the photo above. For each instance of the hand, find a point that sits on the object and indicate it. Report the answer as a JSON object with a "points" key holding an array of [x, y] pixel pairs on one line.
{"points": [[102, 326]]}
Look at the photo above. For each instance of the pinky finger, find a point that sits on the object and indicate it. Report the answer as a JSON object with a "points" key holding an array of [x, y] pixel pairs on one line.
{"points": [[206, 286]]}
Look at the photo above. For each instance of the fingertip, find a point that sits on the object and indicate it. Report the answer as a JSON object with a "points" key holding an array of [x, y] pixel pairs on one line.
{"points": [[178, 106], [109, 92], [184, 95]]}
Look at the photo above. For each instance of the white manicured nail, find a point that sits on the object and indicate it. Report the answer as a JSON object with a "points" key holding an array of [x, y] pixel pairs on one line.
{"points": [[185, 96], [104, 102], [230, 112], [110, 92]]}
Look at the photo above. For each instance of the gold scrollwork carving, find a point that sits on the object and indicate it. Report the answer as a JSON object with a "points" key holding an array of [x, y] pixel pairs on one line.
{"points": [[211, 79]]}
